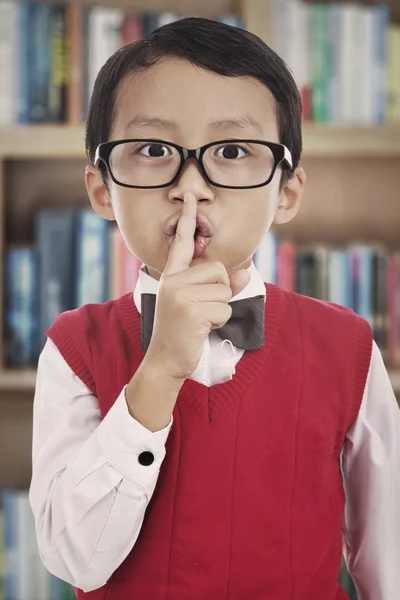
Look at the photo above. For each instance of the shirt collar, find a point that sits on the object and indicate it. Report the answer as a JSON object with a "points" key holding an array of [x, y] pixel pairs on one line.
{"points": [[148, 285]]}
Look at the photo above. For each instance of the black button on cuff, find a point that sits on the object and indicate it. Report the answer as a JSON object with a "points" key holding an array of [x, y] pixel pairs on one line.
{"points": [[146, 458]]}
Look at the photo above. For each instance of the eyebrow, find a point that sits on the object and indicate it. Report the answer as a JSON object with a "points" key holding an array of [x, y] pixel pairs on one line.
{"points": [[241, 122], [148, 121]]}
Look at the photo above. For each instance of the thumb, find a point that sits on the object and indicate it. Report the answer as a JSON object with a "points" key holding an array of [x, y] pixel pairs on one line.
{"points": [[239, 280]]}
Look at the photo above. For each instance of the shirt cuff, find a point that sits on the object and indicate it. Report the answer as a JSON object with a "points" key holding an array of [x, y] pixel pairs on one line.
{"points": [[122, 439]]}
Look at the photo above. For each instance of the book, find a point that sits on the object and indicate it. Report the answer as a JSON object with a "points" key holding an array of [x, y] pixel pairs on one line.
{"points": [[91, 273], [265, 257], [362, 283], [380, 299], [393, 292], [55, 246], [320, 62], [124, 266], [339, 278], [9, 49], [285, 266], [381, 19], [39, 57], [393, 74], [21, 325], [74, 63], [104, 38], [58, 75], [25, 576], [25, 44]]}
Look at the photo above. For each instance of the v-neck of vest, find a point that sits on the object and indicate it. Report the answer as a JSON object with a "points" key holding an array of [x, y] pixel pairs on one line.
{"points": [[206, 401]]}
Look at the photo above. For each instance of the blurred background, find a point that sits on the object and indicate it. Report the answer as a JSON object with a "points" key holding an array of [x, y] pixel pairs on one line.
{"points": [[344, 246]]}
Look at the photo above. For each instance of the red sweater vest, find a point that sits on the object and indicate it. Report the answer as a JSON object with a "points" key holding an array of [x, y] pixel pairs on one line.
{"points": [[249, 500]]}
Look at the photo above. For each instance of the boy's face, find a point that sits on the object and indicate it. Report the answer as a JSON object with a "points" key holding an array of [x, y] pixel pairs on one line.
{"points": [[177, 102]]}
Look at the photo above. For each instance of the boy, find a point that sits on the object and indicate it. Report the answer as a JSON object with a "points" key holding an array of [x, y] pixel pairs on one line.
{"points": [[210, 437]]}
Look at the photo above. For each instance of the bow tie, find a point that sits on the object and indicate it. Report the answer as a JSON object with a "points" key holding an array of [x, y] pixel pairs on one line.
{"points": [[245, 328]]}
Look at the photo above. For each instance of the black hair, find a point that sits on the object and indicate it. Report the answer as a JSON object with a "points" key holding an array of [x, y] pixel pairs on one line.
{"points": [[212, 45]]}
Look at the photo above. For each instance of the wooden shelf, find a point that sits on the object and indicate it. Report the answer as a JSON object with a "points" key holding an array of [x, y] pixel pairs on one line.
{"points": [[67, 141], [25, 380], [18, 379], [329, 141]]}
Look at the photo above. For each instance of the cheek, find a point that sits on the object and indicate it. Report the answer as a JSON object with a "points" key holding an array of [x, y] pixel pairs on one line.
{"points": [[257, 211], [135, 218]]}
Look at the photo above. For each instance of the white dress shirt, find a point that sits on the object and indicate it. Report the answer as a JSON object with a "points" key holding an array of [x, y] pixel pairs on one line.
{"points": [[89, 494]]}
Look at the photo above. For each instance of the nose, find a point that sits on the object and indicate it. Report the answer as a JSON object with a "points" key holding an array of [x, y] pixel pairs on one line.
{"points": [[191, 180]]}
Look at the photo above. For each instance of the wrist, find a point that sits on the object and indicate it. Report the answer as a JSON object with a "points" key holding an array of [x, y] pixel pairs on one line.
{"points": [[151, 395], [154, 367]]}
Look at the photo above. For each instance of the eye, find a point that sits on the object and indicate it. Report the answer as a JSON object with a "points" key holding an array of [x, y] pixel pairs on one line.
{"points": [[231, 151], [155, 150]]}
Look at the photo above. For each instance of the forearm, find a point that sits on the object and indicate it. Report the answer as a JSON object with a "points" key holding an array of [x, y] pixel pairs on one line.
{"points": [[75, 496]]}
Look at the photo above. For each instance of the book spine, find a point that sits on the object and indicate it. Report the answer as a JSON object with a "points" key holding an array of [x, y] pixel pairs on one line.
{"points": [[285, 266], [304, 58], [24, 63], [265, 257], [334, 91], [55, 244], [306, 273], [393, 75], [91, 258], [115, 264], [322, 261], [75, 58], [20, 308], [393, 292], [365, 290], [8, 61], [57, 89], [348, 16], [362, 80], [380, 301], [10, 544], [380, 14], [86, 12], [2, 553], [320, 62], [131, 30], [105, 38], [39, 73], [130, 270], [26, 548], [396, 356], [335, 277]]}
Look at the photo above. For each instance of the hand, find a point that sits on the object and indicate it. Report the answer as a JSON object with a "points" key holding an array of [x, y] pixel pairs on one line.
{"points": [[190, 301]]}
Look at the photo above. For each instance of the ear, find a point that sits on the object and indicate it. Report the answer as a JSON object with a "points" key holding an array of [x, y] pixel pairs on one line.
{"points": [[290, 197], [98, 193]]}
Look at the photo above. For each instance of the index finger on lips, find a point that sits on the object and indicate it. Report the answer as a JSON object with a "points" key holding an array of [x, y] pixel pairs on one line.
{"points": [[182, 249]]}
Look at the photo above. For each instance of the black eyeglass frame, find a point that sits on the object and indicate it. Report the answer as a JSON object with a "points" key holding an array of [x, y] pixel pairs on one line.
{"points": [[280, 152]]}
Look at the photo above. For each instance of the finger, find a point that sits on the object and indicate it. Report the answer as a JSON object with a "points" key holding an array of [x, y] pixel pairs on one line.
{"points": [[182, 249], [238, 280], [207, 272], [218, 313], [215, 292]]}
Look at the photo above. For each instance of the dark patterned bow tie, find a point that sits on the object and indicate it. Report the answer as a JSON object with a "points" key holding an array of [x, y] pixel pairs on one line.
{"points": [[245, 328]]}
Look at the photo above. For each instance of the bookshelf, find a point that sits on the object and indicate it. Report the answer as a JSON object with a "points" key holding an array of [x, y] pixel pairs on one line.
{"points": [[349, 171], [320, 141]]}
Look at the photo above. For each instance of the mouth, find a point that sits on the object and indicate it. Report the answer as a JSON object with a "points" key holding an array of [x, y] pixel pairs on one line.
{"points": [[202, 235]]}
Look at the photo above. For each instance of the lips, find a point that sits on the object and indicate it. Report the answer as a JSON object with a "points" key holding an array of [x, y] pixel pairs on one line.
{"points": [[202, 235]]}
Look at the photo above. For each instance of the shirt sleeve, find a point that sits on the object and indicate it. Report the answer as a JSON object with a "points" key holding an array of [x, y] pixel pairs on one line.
{"points": [[88, 490], [371, 474]]}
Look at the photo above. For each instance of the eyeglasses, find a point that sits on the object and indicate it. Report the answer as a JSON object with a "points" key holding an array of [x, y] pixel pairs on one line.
{"points": [[234, 163]]}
